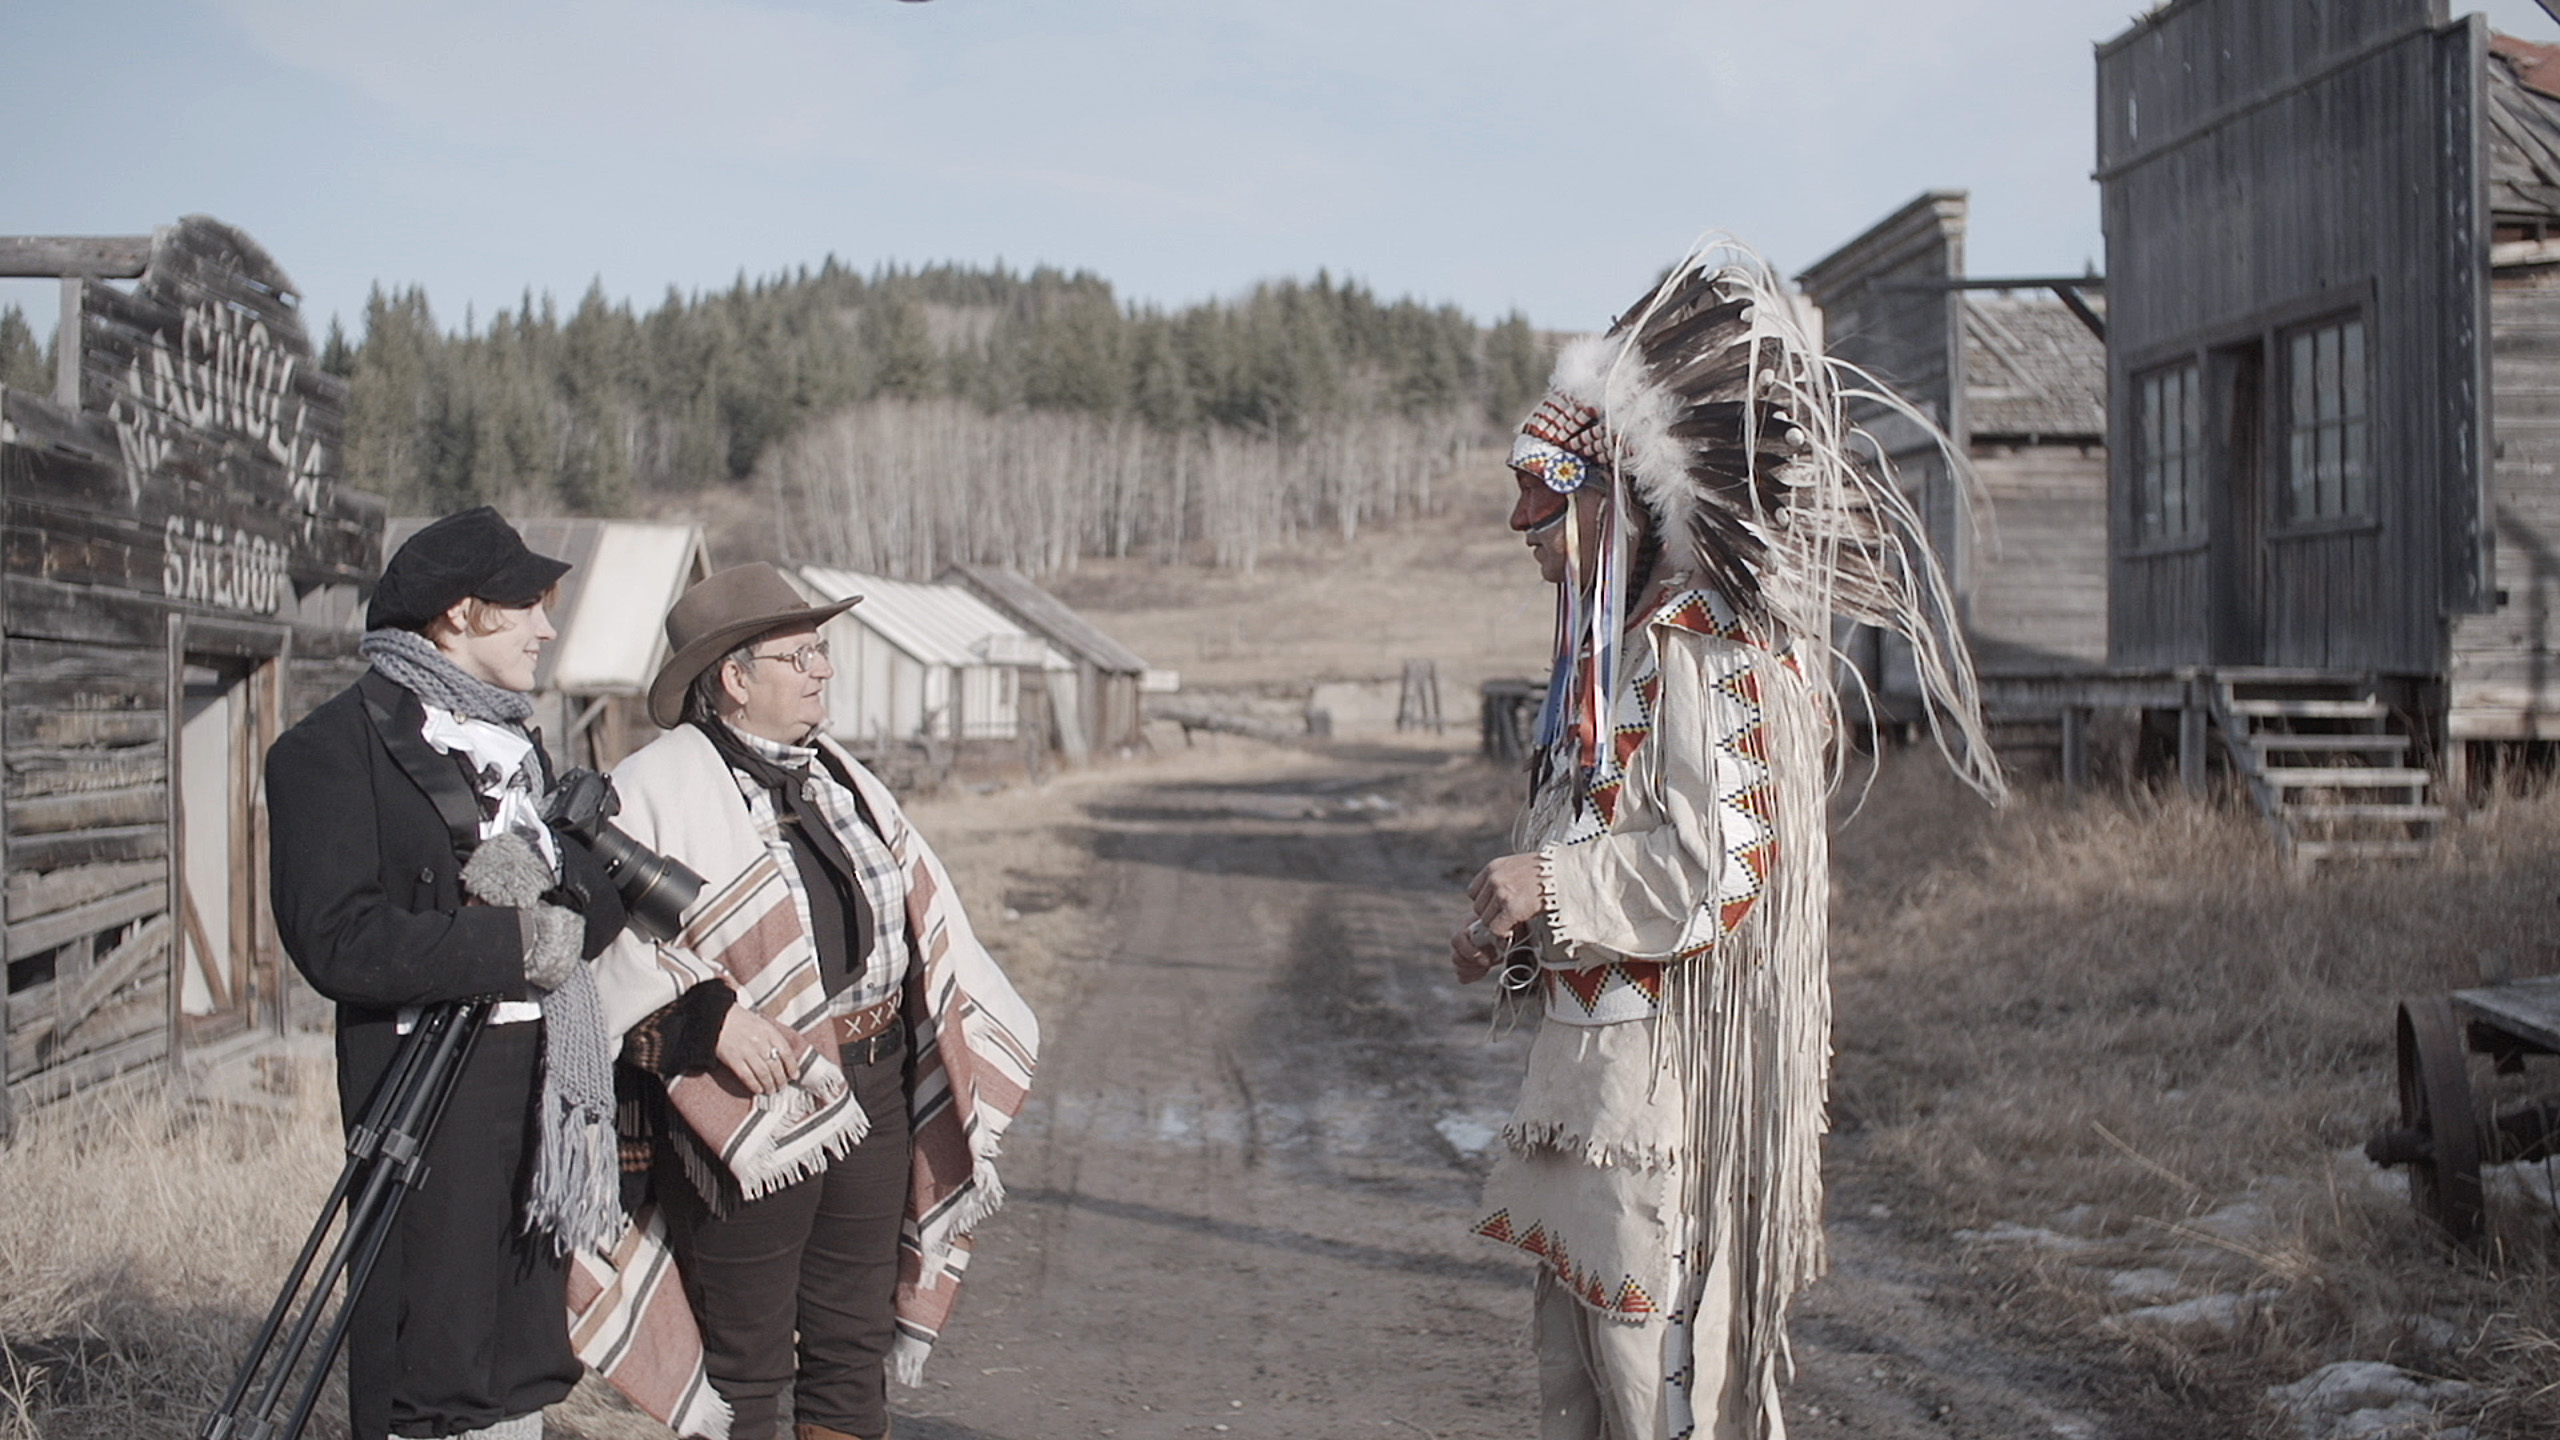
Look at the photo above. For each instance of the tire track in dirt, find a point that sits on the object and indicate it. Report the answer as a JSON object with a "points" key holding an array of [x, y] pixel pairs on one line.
{"points": [[1240, 1195]]}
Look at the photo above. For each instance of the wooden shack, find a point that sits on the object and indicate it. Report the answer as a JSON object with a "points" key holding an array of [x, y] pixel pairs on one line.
{"points": [[919, 662], [2334, 343], [1095, 705], [2015, 372], [2297, 262], [178, 570]]}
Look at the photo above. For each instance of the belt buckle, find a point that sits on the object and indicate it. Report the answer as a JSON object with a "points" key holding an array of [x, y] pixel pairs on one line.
{"points": [[872, 1049]]}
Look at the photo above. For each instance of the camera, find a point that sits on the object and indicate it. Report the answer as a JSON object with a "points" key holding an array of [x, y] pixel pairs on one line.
{"points": [[655, 890]]}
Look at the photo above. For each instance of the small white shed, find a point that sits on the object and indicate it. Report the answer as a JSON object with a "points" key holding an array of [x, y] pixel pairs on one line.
{"points": [[919, 661]]}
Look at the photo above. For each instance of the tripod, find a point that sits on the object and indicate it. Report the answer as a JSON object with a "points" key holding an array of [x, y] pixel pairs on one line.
{"points": [[385, 1161]]}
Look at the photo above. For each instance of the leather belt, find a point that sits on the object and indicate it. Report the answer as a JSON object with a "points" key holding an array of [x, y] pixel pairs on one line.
{"points": [[870, 1034]]}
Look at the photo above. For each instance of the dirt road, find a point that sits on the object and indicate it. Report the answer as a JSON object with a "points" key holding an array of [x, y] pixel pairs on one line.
{"points": [[1240, 1196]]}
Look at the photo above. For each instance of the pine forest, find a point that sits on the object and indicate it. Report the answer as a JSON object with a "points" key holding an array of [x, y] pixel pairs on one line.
{"points": [[904, 420]]}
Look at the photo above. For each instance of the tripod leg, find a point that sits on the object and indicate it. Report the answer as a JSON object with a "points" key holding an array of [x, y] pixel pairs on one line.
{"points": [[443, 1039], [419, 1128], [408, 1174], [363, 1141]]}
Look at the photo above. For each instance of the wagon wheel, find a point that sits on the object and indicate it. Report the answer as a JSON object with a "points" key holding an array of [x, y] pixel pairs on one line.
{"points": [[2436, 1110]]}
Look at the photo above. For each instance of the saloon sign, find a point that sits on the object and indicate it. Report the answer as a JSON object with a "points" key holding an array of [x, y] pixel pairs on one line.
{"points": [[226, 427]]}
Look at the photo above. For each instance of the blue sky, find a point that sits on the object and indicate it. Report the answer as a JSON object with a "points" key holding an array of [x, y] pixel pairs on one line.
{"points": [[1544, 155]]}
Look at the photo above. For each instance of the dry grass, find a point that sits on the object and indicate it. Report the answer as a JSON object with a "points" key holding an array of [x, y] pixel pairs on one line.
{"points": [[140, 1241], [1454, 586], [2121, 1020]]}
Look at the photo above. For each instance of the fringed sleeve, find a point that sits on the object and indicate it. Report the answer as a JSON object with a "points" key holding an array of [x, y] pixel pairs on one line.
{"points": [[1690, 850]]}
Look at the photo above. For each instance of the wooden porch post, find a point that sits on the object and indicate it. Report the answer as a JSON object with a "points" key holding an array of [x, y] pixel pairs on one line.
{"points": [[2075, 747], [2191, 739]]}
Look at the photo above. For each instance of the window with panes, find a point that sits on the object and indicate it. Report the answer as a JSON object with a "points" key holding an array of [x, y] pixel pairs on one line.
{"points": [[2328, 472], [2168, 490]]}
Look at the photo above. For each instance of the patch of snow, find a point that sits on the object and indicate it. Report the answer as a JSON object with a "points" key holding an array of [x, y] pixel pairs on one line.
{"points": [[2011, 1233], [2239, 1220], [2352, 1166], [2526, 1182], [2366, 1400], [2145, 1284], [1466, 1134], [2220, 1311], [2436, 1331], [2080, 1220]]}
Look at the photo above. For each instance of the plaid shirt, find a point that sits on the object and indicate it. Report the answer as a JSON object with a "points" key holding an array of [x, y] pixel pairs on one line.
{"points": [[878, 975]]}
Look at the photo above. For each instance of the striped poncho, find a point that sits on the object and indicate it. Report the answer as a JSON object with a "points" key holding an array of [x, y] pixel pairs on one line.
{"points": [[974, 1042]]}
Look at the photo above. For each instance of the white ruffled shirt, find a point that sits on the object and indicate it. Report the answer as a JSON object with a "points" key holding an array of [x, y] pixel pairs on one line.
{"points": [[501, 759]]}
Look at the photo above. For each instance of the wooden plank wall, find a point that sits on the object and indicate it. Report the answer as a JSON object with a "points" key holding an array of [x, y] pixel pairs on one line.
{"points": [[1882, 311], [84, 746], [2030, 576], [2505, 676], [188, 504], [2258, 160], [2038, 600]]}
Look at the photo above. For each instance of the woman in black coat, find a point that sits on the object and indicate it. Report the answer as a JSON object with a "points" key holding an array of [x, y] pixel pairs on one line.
{"points": [[410, 866]]}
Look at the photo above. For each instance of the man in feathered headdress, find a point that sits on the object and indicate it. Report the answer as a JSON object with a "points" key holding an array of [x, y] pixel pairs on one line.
{"points": [[1693, 487]]}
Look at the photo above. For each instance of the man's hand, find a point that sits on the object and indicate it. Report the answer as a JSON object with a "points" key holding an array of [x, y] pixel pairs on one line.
{"points": [[1472, 952], [756, 1050], [1506, 895]]}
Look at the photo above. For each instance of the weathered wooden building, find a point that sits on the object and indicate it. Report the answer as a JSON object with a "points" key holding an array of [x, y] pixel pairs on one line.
{"points": [[2297, 265], [2334, 347], [178, 570], [1095, 704], [2014, 371], [919, 662]]}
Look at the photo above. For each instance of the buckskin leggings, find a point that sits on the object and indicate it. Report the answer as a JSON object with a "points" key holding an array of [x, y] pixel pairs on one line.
{"points": [[819, 1259]]}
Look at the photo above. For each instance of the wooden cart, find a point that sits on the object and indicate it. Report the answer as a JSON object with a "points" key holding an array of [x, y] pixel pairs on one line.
{"points": [[2447, 1130]]}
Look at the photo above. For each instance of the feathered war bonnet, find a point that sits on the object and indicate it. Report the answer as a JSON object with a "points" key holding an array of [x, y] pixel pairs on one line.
{"points": [[1708, 402]]}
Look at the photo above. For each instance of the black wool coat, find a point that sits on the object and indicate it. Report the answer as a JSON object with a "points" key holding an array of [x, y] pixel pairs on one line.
{"points": [[368, 828]]}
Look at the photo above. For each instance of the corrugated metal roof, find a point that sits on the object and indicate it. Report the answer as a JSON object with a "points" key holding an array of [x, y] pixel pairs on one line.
{"points": [[624, 575], [937, 624], [1038, 610], [2031, 368]]}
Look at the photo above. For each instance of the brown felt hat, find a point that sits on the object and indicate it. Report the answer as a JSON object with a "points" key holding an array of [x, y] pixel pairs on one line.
{"points": [[710, 620]]}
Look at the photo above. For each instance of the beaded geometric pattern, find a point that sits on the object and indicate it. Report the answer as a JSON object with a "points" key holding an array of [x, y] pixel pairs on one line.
{"points": [[1626, 1297], [1570, 425], [1553, 466], [1744, 806]]}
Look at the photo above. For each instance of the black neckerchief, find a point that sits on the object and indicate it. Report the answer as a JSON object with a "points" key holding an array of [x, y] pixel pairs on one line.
{"points": [[791, 804]]}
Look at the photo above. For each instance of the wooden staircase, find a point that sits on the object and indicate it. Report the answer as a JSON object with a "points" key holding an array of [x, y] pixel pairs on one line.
{"points": [[2325, 766]]}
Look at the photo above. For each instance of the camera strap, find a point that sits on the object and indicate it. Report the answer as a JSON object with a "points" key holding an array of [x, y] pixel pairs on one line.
{"points": [[433, 772]]}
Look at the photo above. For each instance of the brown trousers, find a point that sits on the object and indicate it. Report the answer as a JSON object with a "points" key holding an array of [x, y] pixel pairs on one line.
{"points": [[793, 1290]]}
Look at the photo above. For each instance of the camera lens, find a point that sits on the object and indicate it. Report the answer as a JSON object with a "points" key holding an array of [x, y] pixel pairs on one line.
{"points": [[655, 889]]}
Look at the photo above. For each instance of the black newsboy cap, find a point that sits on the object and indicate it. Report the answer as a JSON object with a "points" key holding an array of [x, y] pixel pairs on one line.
{"points": [[472, 555]]}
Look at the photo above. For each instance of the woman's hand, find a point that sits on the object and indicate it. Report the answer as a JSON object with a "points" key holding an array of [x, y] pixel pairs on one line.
{"points": [[756, 1050]]}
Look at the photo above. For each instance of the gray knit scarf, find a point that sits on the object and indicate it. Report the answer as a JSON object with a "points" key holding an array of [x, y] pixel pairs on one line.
{"points": [[413, 662], [575, 1194]]}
